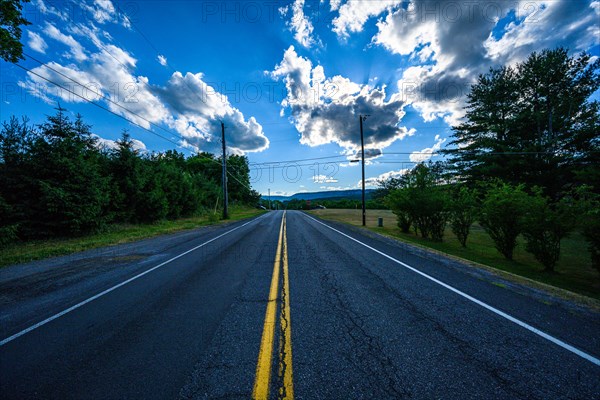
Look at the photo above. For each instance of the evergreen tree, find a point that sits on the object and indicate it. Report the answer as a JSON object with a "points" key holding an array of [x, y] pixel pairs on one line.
{"points": [[534, 124], [67, 193]]}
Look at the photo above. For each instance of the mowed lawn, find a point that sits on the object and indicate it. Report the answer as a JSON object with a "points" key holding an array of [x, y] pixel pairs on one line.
{"points": [[116, 234], [573, 272]]}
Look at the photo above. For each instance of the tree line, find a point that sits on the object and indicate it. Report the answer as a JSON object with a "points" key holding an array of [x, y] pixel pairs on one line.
{"points": [[525, 161], [57, 181]]}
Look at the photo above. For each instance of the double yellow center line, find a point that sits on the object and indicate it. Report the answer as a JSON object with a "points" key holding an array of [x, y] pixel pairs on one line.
{"points": [[262, 381]]}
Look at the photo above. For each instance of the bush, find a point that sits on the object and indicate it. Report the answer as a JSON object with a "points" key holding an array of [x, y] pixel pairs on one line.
{"points": [[588, 208], [591, 232], [421, 202], [545, 225], [8, 231], [501, 215], [463, 212], [398, 202]]}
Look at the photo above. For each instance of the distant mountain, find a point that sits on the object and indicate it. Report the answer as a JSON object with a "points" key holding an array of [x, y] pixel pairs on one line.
{"points": [[328, 194]]}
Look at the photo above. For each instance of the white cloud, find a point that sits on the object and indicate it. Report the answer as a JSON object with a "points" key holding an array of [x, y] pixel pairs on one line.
{"points": [[104, 11], [428, 152], [354, 13], [337, 188], [197, 110], [162, 60], [326, 110], [77, 50], [107, 144], [185, 103], [334, 5], [373, 181], [39, 85], [36, 42], [451, 42], [299, 24], [323, 179], [50, 10], [370, 154], [546, 24]]}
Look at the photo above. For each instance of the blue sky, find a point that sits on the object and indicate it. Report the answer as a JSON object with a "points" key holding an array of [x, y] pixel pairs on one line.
{"points": [[289, 79]]}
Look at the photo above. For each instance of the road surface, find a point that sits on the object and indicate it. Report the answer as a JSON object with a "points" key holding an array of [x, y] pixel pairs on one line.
{"points": [[285, 306]]}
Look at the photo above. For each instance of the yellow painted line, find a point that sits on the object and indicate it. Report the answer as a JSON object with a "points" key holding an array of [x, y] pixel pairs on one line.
{"points": [[265, 355], [285, 364]]}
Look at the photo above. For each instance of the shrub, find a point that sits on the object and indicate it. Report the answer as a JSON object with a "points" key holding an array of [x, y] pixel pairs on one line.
{"points": [[421, 202], [588, 208], [544, 226], [501, 216], [463, 212]]}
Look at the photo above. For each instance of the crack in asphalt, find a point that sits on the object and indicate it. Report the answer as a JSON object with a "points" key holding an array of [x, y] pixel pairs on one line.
{"points": [[284, 326], [366, 347], [355, 330], [466, 350]]}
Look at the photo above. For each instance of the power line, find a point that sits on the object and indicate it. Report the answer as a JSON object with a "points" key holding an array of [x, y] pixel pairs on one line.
{"points": [[99, 44], [100, 106], [298, 160], [106, 98], [128, 120]]}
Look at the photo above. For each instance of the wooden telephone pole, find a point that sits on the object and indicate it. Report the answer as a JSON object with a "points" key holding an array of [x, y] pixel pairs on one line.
{"points": [[225, 198]]}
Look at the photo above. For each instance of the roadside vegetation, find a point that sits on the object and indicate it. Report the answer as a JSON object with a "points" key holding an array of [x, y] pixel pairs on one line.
{"points": [[58, 182], [520, 189], [573, 271], [20, 252]]}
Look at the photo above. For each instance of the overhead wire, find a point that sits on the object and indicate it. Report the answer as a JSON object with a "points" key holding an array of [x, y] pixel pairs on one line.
{"points": [[99, 44]]}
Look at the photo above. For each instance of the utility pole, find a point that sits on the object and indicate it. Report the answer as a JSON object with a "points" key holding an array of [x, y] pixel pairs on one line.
{"points": [[269, 199], [362, 146], [225, 198]]}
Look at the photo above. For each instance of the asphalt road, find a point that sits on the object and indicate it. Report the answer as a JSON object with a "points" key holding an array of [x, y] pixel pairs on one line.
{"points": [[298, 308]]}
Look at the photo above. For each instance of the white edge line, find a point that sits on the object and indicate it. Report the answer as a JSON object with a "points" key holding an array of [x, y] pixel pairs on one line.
{"points": [[530, 328], [84, 302]]}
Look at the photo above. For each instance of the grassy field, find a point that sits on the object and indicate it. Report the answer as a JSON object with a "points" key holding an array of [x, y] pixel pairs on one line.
{"points": [[573, 272], [36, 250]]}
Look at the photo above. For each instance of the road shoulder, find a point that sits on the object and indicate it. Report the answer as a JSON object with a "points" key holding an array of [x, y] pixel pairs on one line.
{"points": [[538, 291]]}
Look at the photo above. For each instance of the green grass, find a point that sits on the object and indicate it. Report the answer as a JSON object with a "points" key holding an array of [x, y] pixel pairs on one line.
{"points": [[115, 234], [573, 271]]}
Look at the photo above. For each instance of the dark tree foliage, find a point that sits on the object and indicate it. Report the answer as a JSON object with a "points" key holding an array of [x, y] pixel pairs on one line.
{"points": [[11, 19], [55, 181], [532, 124], [463, 213], [126, 171], [385, 186], [545, 224], [502, 214], [588, 211], [421, 201], [15, 139], [62, 191]]}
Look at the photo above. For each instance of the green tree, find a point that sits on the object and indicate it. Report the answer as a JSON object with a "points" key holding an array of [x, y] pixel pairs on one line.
{"points": [[177, 184], [532, 124], [502, 214], [8, 230], [422, 201], [463, 212], [399, 202], [16, 168], [67, 191], [588, 210], [126, 170], [11, 19], [545, 225], [386, 186], [489, 129]]}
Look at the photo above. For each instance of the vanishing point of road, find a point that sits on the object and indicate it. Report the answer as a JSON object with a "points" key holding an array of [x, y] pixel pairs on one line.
{"points": [[285, 306]]}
